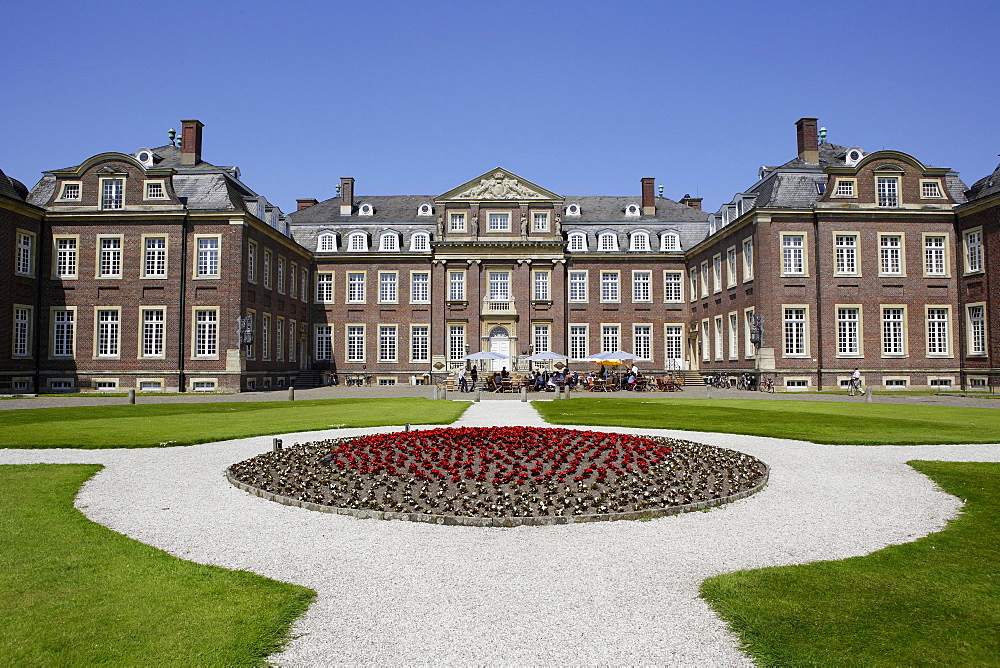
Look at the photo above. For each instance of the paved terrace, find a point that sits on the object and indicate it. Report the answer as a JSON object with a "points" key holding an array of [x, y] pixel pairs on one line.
{"points": [[403, 593]]}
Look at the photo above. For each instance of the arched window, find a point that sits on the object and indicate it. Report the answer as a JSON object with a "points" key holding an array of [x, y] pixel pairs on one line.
{"points": [[420, 241], [608, 241], [670, 242], [639, 241], [327, 242], [358, 241], [577, 242], [389, 241]]}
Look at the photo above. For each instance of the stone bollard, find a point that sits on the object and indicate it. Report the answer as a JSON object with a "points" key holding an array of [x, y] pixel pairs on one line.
{"points": [[524, 394], [709, 388], [276, 445], [436, 392], [868, 395], [479, 395], [291, 394], [131, 396]]}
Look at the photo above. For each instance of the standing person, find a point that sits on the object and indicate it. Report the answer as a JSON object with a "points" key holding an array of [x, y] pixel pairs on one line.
{"points": [[855, 382], [463, 385], [635, 370], [475, 378]]}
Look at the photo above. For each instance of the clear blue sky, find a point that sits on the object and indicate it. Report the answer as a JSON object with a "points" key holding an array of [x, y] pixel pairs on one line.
{"points": [[583, 98]]}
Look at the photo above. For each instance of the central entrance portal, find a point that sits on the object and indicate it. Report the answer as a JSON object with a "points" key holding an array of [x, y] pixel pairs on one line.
{"points": [[499, 343]]}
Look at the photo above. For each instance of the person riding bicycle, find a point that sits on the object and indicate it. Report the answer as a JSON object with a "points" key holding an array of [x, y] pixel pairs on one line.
{"points": [[855, 384]]}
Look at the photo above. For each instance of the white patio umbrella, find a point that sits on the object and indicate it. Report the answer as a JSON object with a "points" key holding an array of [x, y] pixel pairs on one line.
{"points": [[487, 355], [545, 356]]}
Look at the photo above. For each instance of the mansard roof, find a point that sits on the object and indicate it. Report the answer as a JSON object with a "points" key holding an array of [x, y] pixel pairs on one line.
{"points": [[12, 188], [984, 187]]}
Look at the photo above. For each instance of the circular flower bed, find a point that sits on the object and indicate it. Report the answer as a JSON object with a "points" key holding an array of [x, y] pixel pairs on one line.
{"points": [[509, 475]]}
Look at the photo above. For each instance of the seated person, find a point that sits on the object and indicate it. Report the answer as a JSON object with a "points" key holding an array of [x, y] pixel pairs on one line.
{"points": [[504, 373]]}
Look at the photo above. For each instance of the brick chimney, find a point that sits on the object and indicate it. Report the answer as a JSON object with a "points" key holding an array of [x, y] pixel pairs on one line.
{"points": [[808, 140], [693, 202], [306, 203], [648, 197], [346, 196], [191, 142]]}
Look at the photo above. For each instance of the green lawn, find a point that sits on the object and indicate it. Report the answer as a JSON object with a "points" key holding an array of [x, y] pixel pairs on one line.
{"points": [[815, 421], [151, 425], [935, 601], [75, 593]]}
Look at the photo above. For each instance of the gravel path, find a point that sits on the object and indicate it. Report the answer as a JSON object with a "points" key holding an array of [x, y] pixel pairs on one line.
{"points": [[599, 593]]}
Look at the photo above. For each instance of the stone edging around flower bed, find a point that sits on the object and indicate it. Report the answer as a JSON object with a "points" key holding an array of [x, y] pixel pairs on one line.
{"points": [[461, 520]]}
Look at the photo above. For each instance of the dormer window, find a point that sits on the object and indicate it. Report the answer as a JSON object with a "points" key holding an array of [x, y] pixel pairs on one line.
{"points": [[853, 156], [155, 190], [670, 242], [327, 242], [639, 242], [420, 241], [887, 190], [112, 193], [357, 242], [145, 156], [573, 210], [577, 242], [845, 187], [389, 242], [425, 210], [70, 192], [632, 211], [930, 189], [608, 241], [365, 210]]}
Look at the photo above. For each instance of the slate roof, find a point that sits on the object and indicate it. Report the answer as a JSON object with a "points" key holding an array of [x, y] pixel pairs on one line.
{"points": [[12, 188], [42, 192], [611, 209], [984, 187], [794, 190], [386, 209], [829, 154]]}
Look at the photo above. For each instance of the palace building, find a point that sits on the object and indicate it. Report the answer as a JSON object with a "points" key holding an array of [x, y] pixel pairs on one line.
{"points": [[161, 271]]}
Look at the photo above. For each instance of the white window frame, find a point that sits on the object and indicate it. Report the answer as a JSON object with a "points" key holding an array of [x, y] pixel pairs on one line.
{"points": [[577, 282], [357, 287], [117, 200], [642, 282], [976, 330], [207, 328], [252, 261], [539, 221], [355, 348], [357, 242], [934, 253], [54, 326], [107, 343], [607, 242], [541, 337], [642, 341], [279, 274], [456, 341], [704, 279], [388, 343], [748, 259], [152, 334], [265, 336], [114, 254], [796, 323], [65, 196], [972, 250], [848, 327], [704, 338], [734, 335], [420, 242], [577, 242], [846, 254], [673, 281], [326, 242], [22, 332], [420, 287], [279, 338], [938, 323], [456, 286], [794, 257], [749, 352], [717, 273], [159, 258], [420, 343], [718, 338], [670, 242], [206, 258], [887, 197], [541, 285], [388, 242], [888, 255], [903, 322], [693, 281], [324, 287], [845, 187], [388, 287], [266, 268], [24, 255], [611, 337], [150, 185], [498, 285], [322, 342], [72, 256], [498, 221], [611, 286], [731, 267], [579, 340], [639, 242], [926, 185], [457, 221]]}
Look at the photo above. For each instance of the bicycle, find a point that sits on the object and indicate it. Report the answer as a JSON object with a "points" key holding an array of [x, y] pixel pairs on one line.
{"points": [[766, 384]]}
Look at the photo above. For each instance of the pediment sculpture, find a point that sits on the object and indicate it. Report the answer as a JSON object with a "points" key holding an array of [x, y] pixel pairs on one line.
{"points": [[499, 187]]}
